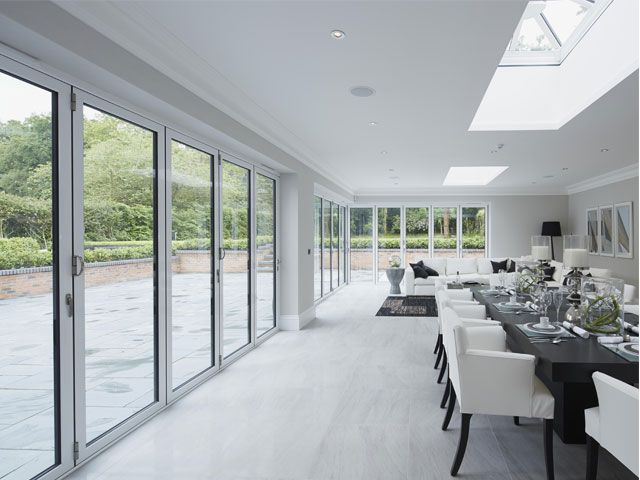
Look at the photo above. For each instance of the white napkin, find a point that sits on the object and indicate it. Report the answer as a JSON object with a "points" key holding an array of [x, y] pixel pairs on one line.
{"points": [[577, 330], [614, 339], [631, 327]]}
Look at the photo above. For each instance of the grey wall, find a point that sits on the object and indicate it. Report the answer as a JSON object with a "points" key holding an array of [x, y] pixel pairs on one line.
{"points": [[512, 219], [627, 190]]}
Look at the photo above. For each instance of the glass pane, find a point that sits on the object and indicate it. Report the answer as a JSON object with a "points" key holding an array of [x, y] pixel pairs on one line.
{"points": [[317, 248], [235, 265], [265, 253], [28, 384], [342, 246], [564, 16], [335, 253], [445, 232], [326, 247], [473, 231], [119, 250], [361, 260], [417, 234], [191, 270], [388, 239], [531, 37]]}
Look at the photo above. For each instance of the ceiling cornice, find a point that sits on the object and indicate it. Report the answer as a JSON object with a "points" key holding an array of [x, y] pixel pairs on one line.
{"points": [[143, 38], [456, 192], [608, 178]]}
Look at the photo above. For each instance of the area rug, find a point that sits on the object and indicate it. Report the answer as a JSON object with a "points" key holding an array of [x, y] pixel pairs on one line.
{"points": [[414, 306]]}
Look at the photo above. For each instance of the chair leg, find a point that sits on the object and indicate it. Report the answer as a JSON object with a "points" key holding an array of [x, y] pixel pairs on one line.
{"points": [[445, 365], [462, 444], [447, 387], [450, 407], [548, 447], [516, 420], [438, 342], [440, 351], [592, 458]]}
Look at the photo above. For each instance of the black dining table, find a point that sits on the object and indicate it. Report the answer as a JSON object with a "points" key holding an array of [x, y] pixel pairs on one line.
{"points": [[565, 368]]}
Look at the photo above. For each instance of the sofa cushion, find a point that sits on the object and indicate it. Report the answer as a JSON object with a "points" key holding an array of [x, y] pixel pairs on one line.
{"points": [[418, 270], [484, 265], [438, 264], [461, 265], [425, 281], [497, 266]]}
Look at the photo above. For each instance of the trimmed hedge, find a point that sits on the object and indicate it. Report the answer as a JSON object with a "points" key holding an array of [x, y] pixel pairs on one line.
{"points": [[22, 252], [476, 242]]}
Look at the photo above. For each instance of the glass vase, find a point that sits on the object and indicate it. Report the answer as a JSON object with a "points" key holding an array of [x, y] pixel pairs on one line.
{"points": [[601, 305]]}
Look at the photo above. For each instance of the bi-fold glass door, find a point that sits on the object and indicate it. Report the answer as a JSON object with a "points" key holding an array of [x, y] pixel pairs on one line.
{"points": [[119, 270], [36, 366]]}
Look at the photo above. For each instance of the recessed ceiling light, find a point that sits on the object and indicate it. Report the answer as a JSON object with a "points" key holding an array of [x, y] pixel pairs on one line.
{"points": [[384, 152], [361, 91], [604, 150], [467, 176], [373, 124], [338, 34]]}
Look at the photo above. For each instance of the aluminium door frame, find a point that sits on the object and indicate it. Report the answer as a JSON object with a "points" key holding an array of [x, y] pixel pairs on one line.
{"points": [[222, 360], [61, 212], [86, 451], [202, 376], [276, 208]]}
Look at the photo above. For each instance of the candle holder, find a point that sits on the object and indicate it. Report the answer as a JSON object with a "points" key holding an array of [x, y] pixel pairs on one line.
{"points": [[576, 257]]}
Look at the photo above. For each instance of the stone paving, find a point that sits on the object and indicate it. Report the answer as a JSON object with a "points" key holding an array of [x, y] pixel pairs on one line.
{"points": [[119, 357]]}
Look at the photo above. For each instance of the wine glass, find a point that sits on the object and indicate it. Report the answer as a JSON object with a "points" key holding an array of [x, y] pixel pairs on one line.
{"points": [[558, 298], [545, 298], [502, 279]]}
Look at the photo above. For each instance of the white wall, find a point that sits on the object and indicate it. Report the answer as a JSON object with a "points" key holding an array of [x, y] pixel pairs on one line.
{"points": [[512, 219], [624, 191]]}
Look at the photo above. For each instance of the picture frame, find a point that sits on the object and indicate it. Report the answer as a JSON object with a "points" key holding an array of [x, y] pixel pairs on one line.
{"points": [[606, 234], [593, 230], [623, 232]]}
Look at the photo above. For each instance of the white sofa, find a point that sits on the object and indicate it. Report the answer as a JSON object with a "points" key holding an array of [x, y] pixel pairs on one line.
{"points": [[471, 270]]}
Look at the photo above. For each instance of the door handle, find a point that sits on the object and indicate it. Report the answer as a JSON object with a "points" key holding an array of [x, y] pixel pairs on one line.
{"points": [[222, 254], [68, 300], [77, 264]]}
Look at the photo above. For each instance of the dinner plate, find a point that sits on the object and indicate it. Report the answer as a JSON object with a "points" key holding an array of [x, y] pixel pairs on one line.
{"points": [[630, 348], [537, 328]]}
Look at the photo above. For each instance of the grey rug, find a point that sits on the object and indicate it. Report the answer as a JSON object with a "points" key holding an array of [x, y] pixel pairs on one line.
{"points": [[414, 306]]}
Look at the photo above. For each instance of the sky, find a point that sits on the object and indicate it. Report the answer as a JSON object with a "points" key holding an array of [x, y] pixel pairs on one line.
{"points": [[19, 99]]}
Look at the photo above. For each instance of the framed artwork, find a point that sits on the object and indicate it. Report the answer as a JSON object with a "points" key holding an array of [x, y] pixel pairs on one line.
{"points": [[593, 231], [623, 215], [606, 230]]}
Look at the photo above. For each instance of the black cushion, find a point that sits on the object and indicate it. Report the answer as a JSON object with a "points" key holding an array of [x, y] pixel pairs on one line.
{"points": [[420, 270], [512, 266], [497, 266], [548, 272]]}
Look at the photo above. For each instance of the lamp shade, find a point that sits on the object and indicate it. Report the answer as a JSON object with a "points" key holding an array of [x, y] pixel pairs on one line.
{"points": [[551, 229]]}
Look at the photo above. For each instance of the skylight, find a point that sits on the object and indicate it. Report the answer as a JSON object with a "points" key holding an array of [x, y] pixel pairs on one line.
{"points": [[472, 176], [549, 29]]}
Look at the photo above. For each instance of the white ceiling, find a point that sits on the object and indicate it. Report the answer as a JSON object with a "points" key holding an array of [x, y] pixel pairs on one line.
{"points": [[274, 67]]}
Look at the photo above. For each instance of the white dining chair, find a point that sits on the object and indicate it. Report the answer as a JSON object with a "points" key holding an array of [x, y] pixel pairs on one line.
{"points": [[451, 319], [462, 301], [629, 293], [613, 424], [487, 379]]}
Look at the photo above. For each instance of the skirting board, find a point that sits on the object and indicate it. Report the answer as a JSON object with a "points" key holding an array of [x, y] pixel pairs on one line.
{"points": [[297, 322]]}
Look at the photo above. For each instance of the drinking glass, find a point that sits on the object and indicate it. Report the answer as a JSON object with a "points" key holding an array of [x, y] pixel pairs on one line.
{"points": [[544, 300], [502, 279], [558, 298]]}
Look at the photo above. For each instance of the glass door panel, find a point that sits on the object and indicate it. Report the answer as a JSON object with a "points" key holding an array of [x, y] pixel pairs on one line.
{"points": [[342, 246], [191, 270], [388, 238], [445, 232], [473, 231], [236, 257], [120, 253], [335, 251], [266, 266], [317, 248], [416, 234], [361, 258], [29, 323], [326, 247]]}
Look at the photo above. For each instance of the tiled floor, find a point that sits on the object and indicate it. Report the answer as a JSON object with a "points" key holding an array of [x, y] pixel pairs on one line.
{"points": [[119, 359], [352, 396]]}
